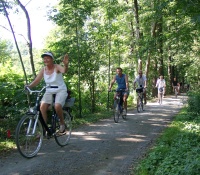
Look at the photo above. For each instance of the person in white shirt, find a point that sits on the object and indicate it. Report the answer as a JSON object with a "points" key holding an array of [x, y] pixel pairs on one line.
{"points": [[52, 74], [141, 81], [161, 85]]}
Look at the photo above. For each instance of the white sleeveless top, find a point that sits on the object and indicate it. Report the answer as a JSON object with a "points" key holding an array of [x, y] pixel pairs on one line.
{"points": [[160, 83], [55, 79]]}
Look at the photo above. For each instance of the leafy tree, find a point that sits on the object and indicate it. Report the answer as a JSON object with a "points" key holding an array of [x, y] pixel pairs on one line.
{"points": [[4, 7], [4, 51]]}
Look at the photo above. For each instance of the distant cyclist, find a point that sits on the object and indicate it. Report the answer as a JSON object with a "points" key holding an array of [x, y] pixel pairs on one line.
{"points": [[141, 80], [122, 82], [175, 85]]}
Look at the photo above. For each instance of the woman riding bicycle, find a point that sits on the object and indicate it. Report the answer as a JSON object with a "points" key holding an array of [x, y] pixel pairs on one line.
{"points": [[52, 74], [122, 81]]}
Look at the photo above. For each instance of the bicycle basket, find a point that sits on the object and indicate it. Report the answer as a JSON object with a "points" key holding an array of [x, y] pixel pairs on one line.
{"points": [[161, 89], [69, 102], [139, 90]]}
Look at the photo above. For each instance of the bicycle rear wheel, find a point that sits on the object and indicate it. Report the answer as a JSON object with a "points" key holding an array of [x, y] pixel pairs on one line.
{"points": [[124, 113], [116, 111], [62, 139], [160, 95], [28, 139], [160, 101], [176, 93]]}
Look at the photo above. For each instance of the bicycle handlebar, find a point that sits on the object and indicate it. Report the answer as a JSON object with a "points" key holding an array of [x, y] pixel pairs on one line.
{"points": [[39, 91], [119, 90]]}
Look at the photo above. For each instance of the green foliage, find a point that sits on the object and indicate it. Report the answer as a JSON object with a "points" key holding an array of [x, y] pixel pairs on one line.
{"points": [[12, 100], [176, 151], [194, 102], [4, 51]]}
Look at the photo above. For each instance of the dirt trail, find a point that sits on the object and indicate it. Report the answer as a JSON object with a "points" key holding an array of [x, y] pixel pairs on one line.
{"points": [[102, 148]]}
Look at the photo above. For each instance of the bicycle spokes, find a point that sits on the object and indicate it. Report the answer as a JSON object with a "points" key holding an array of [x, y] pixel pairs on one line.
{"points": [[62, 139], [29, 136]]}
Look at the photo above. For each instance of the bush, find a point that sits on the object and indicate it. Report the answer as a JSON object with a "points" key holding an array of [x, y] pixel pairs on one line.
{"points": [[194, 102]]}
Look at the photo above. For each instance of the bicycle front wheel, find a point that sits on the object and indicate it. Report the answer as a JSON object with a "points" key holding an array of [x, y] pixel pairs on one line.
{"points": [[29, 135], [160, 98], [176, 93], [124, 113], [62, 139], [116, 111], [139, 104]]}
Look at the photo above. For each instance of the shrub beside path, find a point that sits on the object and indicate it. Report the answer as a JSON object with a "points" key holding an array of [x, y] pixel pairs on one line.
{"points": [[102, 148]]}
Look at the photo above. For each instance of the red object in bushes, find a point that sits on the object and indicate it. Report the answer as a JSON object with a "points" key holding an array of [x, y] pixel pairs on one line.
{"points": [[8, 133]]}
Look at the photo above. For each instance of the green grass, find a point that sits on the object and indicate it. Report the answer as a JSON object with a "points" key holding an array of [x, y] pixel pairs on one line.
{"points": [[176, 151]]}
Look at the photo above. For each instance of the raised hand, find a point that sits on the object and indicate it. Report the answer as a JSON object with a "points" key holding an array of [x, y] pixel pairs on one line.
{"points": [[66, 60]]}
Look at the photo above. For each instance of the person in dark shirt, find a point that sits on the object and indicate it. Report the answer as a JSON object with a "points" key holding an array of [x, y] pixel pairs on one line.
{"points": [[175, 85]]}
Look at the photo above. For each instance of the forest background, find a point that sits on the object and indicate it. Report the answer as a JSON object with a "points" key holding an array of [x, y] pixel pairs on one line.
{"points": [[160, 37]]}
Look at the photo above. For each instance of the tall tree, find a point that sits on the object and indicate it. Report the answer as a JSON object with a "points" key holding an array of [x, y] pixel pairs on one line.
{"points": [[29, 36]]}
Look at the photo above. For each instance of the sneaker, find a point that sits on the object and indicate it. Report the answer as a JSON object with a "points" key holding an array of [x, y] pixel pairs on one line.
{"points": [[62, 128]]}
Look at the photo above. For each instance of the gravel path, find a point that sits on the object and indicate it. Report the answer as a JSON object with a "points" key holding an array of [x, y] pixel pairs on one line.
{"points": [[102, 148]]}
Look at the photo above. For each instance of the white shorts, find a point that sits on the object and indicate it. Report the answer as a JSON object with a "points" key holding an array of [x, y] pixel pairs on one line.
{"points": [[60, 97]]}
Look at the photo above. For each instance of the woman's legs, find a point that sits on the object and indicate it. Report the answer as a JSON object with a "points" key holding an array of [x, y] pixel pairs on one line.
{"points": [[59, 112], [43, 108]]}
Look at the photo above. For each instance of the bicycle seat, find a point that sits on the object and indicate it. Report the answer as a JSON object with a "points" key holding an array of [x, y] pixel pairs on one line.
{"points": [[139, 90]]}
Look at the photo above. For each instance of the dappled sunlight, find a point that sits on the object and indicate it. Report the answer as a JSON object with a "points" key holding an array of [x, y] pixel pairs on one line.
{"points": [[79, 133], [128, 114], [99, 125], [130, 139], [91, 138], [157, 119], [120, 157]]}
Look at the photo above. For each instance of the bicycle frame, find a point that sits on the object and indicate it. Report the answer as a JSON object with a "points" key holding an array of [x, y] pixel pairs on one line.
{"points": [[35, 110], [118, 105]]}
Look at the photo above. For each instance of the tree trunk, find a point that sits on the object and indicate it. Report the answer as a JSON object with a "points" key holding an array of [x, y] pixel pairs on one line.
{"points": [[160, 48], [137, 34], [170, 72], [29, 37]]}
